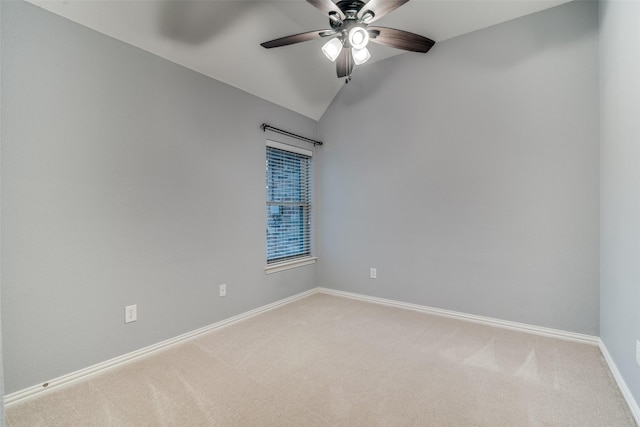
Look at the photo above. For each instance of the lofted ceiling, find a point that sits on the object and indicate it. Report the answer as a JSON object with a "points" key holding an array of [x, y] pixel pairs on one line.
{"points": [[221, 38]]}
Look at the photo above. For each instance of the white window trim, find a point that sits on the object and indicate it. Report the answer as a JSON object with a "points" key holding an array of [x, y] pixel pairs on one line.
{"points": [[287, 265], [297, 262], [291, 148]]}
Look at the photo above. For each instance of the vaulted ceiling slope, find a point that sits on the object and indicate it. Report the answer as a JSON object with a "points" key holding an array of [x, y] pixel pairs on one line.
{"points": [[221, 38]]}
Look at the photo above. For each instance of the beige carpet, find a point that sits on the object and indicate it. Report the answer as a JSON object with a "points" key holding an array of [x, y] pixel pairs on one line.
{"points": [[331, 361]]}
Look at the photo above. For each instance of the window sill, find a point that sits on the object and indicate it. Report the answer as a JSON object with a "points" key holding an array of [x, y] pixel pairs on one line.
{"points": [[281, 266]]}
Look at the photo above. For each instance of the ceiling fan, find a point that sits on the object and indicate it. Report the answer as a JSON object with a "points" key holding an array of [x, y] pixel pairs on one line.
{"points": [[350, 32]]}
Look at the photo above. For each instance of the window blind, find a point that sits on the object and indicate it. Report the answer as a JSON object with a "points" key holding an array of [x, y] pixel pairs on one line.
{"points": [[288, 202]]}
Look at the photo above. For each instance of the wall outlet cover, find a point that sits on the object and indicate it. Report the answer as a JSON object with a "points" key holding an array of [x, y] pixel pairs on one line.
{"points": [[130, 313]]}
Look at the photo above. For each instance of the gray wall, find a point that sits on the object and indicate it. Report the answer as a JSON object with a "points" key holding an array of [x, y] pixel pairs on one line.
{"points": [[1, 364], [620, 185], [469, 176], [126, 179]]}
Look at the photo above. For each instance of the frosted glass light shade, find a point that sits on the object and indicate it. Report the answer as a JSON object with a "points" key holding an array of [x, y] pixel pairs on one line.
{"points": [[360, 56], [368, 16], [332, 48], [358, 37]]}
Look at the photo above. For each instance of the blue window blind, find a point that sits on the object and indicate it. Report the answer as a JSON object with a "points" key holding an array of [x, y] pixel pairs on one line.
{"points": [[288, 202]]}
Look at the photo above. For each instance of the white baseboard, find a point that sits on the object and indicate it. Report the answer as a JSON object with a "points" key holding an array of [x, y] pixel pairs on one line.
{"points": [[521, 327], [16, 397], [82, 374], [622, 385], [505, 324]]}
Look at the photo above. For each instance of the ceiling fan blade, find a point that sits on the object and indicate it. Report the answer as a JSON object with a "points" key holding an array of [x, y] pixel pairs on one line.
{"points": [[400, 39], [344, 63], [297, 38], [327, 6], [381, 7]]}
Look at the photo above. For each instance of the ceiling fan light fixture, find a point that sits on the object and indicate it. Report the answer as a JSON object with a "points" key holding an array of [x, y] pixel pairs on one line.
{"points": [[332, 48], [360, 56], [368, 16], [350, 32], [358, 37], [334, 18]]}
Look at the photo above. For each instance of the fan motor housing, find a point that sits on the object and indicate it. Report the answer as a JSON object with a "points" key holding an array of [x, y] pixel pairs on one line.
{"points": [[350, 6]]}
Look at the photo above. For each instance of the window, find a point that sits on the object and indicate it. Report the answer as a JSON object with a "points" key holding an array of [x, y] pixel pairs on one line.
{"points": [[288, 204]]}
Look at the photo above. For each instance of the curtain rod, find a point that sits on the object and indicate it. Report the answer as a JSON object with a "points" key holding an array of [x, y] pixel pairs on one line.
{"points": [[265, 126]]}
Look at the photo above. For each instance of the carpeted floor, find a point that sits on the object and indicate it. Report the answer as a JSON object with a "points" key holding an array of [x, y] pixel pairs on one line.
{"points": [[331, 361]]}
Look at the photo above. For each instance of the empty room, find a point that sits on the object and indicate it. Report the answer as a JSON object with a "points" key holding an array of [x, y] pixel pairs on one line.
{"points": [[320, 213]]}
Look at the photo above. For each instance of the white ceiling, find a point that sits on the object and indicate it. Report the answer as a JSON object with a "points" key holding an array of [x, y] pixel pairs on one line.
{"points": [[221, 38]]}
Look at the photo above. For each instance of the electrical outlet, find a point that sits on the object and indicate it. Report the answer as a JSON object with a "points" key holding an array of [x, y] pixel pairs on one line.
{"points": [[373, 273], [130, 313], [638, 352], [223, 290]]}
